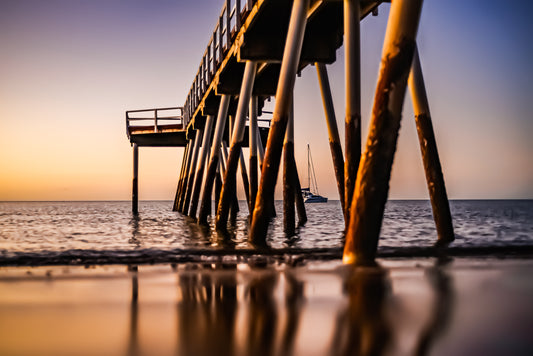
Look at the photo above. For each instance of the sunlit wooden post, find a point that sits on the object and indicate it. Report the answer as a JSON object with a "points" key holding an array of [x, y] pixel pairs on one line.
{"points": [[214, 158], [229, 186], [372, 184], [199, 177], [288, 176], [333, 132], [261, 156], [430, 154], [135, 188], [287, 77], [352, 58]]}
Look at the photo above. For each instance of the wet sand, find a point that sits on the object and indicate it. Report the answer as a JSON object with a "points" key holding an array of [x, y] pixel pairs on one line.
{"points": [[403, 307]]}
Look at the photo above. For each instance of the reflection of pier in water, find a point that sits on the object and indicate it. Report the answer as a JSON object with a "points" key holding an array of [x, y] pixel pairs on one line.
{"points": [[229, 310], [256, 51]]}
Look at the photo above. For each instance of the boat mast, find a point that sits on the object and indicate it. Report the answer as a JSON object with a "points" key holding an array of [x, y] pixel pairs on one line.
{"points": [[308, 168]]}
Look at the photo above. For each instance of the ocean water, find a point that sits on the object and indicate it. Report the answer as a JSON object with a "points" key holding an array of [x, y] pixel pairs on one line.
{"points": [[110, 229]]}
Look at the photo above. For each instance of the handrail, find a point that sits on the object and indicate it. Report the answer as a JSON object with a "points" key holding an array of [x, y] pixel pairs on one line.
{"points": [[155, 117], [217, 46]]}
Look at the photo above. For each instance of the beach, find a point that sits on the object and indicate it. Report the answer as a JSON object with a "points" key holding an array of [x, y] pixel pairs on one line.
{"points": [[425, 306]]}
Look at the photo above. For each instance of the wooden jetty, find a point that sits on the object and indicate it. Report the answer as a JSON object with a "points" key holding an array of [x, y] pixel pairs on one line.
{"points": [[256, 51]]}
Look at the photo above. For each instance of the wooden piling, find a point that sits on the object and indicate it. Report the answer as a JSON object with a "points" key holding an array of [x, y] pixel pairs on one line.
{"points": [[372, 184], [288, 177], [253, 127], [180, 179], [300, 206], [214, 158], [135, 187], [333, 132], [430, 154], [245, 181], [199, 177], [185, 179], [192, 171], [287, 77], [229, 186], [261, 157], [353, 99]]}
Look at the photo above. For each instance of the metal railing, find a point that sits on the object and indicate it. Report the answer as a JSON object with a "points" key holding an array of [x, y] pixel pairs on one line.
{"points": [[232, 16], [159, 122]]}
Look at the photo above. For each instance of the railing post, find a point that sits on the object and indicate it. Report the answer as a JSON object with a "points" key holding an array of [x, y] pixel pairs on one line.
{"points": [[372, 184], [135, 188], [333, 132], [214, 158], [287, 77], [430, 154], [353, 100], [229, 186], [228, 23], [237, 15]]}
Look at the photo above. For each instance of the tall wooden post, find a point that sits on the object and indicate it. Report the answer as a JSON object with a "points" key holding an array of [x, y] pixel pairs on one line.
{"points": [[430, 155], [192, 171], [261, 156], [253, 127], [180, 179], [333, 132], [352, 58], [288, 176], [201, 165], [229, 186], [287, 77], [245, 181], [214, 158], [372, 184], [135, 188], [183, 184]]}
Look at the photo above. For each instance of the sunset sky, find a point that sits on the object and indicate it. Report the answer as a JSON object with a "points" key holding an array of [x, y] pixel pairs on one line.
{"points": [[69, 69]]}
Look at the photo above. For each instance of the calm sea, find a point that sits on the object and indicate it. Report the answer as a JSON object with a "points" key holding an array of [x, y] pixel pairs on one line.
{"points": [[48, 229]]}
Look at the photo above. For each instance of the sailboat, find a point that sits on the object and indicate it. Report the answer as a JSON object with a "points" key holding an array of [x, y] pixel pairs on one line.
{"points": [[310, 194]]}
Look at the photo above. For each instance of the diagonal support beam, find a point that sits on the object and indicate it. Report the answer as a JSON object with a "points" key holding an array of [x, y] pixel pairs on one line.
{"points": [[333, 132], [287, 77], [229, 186], [430, 155], [214, 158]]}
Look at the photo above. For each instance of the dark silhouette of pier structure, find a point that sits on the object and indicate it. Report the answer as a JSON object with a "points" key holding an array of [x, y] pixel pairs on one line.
{"points": [[256, 51]]}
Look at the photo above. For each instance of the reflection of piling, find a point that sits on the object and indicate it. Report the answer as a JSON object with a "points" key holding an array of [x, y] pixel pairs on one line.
{"points": [[333, 132], [229, 187], [372, 184], [430, 155], [287, 76], [353, 100], [135, 188]]}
